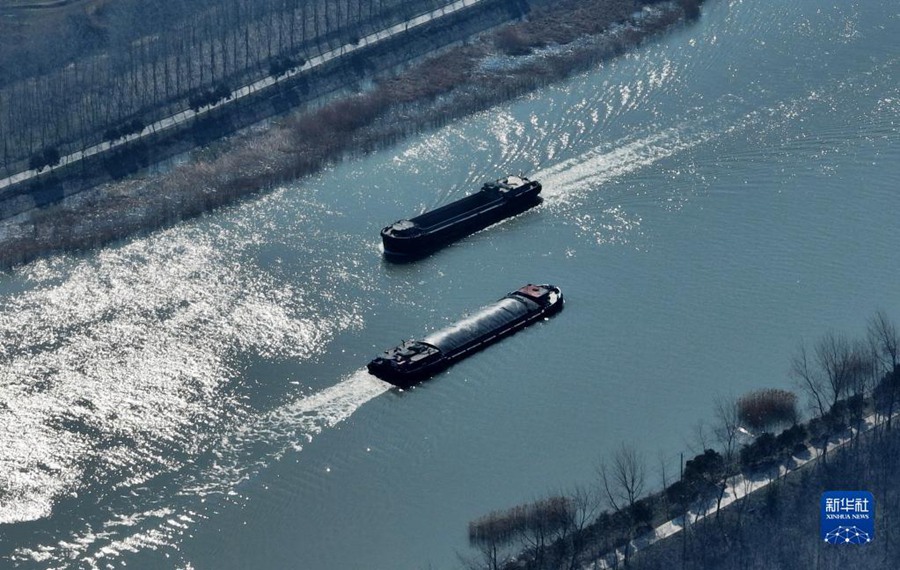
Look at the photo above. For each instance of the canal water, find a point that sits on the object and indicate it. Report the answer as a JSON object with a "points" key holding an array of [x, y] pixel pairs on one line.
{"points": [[197, 398]]}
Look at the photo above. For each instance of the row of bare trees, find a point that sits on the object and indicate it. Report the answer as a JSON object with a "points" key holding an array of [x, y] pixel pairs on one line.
{"points": [[838, 374], [451, 85], [552, 531], [755, 434], [128, 80], [778, 527]]}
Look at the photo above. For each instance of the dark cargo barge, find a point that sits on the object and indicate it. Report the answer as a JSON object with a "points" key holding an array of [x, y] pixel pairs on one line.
{"points": [[429, 231], [415, 360]]}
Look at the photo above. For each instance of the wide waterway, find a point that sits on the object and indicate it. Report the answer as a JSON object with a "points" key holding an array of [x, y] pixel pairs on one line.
{"points": [[196, 398]]}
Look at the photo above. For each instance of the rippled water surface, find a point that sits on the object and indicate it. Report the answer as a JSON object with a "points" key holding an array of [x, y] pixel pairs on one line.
{"points": [[197, 398]]}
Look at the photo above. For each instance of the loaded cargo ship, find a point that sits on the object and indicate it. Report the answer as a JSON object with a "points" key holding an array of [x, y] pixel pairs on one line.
{"points": [[415, 360], [429, 231]]}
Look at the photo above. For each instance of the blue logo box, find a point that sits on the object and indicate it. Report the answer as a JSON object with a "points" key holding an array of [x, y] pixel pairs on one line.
{"points": [[848, 517]]}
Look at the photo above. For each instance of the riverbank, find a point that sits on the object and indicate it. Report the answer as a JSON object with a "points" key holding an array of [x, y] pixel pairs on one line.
{"points": [[778, 526], [549, 45], [721, 508], [292, 82]]}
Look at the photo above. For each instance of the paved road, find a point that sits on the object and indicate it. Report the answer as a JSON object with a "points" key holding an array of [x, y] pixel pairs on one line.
{"points": [[738, 487], [265, 83]]}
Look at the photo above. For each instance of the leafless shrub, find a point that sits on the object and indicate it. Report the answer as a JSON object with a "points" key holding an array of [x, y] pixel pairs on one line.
{"points": [[505, 526], [533, 526], [761, 410]]}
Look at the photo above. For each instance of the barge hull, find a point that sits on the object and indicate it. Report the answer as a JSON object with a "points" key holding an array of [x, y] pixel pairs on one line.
{"points": [[432, 230], [443, 348]]}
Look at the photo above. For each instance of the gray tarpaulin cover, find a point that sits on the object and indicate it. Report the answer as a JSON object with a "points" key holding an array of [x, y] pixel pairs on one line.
{"points": [[485, 321]]}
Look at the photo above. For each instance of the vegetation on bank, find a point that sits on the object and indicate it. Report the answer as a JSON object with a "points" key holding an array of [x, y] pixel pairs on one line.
{"points": [[440, 89], [843, 381], [74, 76], [778, 527]]}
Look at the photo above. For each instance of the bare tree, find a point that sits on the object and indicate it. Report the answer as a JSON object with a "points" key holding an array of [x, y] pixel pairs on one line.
{"points": [[883, 336], [828, 379], [863, 376], [664, 481], [727, 433], [546, 522], [623, 479], [836, 358], [542, 530], [492, 535], [585, 506], [623, 484], [702, 438], [809, 381]]}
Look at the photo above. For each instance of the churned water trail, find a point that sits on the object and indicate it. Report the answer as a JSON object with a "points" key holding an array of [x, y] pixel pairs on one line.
{"points": [[123, 368], [283, 429], [612, 160], [249, 448]]}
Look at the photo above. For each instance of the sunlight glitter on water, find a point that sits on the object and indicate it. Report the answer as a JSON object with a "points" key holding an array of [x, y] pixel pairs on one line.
{"points": [[141, 404], [238, 458], [284, 429], [110, 363], [608, 161]]}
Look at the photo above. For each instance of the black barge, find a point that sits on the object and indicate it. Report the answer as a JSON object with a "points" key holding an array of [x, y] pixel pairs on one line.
{"points": [[415, 360], [429, 231]]}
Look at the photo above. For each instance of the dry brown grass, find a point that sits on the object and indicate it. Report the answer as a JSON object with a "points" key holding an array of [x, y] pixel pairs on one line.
{"points": [[762, 409], [304, 143]]}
